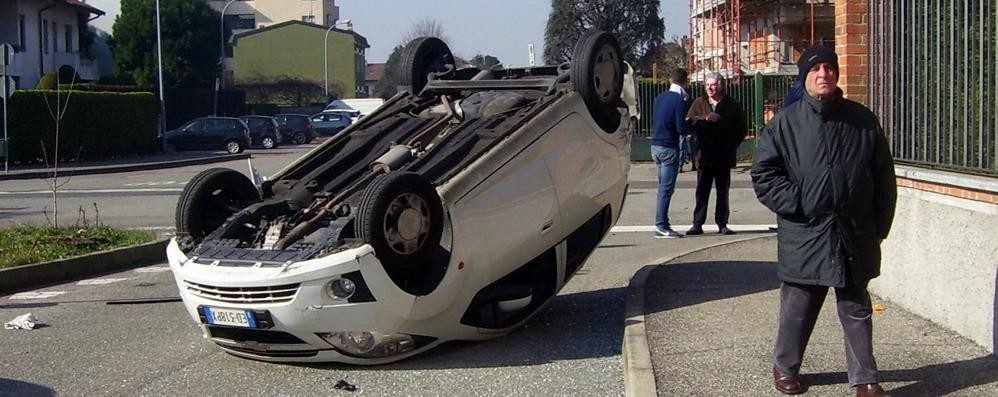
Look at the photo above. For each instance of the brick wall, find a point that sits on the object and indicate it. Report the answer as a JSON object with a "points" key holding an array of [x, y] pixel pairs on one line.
{"points": [[851, 43], [950, 190]]}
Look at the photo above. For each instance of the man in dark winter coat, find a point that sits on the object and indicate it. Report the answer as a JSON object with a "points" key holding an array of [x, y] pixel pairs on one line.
{"points": [[824, 167], [719, 126]]}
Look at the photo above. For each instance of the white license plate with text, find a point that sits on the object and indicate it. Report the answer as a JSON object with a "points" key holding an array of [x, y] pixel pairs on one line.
{"points": [[230, 317]]}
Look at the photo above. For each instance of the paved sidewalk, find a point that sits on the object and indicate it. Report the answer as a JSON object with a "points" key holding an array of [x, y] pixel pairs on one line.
{"points": [[710, 320]]}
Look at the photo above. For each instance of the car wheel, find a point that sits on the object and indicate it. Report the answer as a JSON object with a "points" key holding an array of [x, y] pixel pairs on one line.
{"points": [[233, 147], [268, 142], [210, 198], [598, 76], [401, 216], [300, 138], [423, 56]]}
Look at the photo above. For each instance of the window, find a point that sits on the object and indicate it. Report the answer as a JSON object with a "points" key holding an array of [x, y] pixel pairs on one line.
{"points": [[308, 18], [69, 38], [45, 36], [241, 21], [21, 37], [55, 37]]}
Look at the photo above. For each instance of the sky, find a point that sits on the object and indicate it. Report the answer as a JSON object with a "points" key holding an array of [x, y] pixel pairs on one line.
{"points": [[503, 29]]}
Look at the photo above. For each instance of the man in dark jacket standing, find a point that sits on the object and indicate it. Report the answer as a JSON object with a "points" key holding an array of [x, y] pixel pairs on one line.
{"points": [[719, 126], [824, 167]]}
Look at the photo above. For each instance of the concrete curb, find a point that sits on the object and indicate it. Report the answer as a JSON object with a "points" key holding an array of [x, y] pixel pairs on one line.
{"points": [[46, 273], [108, 169], [639, 374]]}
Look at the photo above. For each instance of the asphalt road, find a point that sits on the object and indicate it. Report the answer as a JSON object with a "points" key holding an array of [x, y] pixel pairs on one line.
{"points": [[572, 347]]}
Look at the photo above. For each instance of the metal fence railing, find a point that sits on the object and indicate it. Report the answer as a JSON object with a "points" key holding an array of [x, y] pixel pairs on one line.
{"points": [[933, 71], [760, 97]]}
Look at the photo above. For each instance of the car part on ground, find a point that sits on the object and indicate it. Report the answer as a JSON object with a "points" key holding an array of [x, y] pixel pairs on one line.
{"points": [[454, 211]]}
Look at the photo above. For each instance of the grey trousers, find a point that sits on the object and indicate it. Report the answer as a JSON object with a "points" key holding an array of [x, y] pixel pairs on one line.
{"points": [[799, 307]]}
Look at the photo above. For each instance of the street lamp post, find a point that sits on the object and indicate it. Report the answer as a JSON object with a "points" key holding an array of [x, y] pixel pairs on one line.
{"points": [[221, 53], [159, 66], [325, 54]]}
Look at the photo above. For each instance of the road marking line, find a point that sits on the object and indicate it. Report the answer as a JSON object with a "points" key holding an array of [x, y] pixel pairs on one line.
{"points": [[37, 295], [156, 269], [683, 228], [100, 281], [94, 191]]}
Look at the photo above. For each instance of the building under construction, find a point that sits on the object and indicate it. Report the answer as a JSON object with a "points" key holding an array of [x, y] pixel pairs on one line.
{"points": [[745, 37]]}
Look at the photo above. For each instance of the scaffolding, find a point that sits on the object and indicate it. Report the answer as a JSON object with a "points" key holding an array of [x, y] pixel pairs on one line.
{"points": [[745, 37]]}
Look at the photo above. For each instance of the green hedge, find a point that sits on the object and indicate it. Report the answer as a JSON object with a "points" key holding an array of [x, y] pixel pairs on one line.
{"points": [[96, 125]]}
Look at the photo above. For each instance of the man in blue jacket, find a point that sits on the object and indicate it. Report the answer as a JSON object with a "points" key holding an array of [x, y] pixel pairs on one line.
{"points": [[668, 121]]}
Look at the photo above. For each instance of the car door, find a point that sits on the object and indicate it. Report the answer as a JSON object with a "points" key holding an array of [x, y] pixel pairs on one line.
{"points": [[189, 135], [321, 123], [213, 136]]}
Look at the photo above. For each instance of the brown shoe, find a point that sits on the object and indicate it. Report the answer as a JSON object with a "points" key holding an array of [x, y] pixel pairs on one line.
{"points": [[786, 384], [870, 390]]}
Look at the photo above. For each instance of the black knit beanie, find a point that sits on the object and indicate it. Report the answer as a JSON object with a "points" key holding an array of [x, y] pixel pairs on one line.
{"points": [[813, 56]]}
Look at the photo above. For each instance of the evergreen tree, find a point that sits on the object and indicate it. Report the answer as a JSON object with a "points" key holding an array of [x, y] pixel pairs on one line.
{"points": [[635, 23], [190, 36]]}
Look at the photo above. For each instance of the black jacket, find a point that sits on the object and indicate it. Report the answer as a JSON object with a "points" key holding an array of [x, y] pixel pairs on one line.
{"points": [[825, 169], [717, 142]]}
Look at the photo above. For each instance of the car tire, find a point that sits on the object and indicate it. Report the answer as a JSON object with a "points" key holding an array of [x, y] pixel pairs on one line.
{"points": [[268, 142], [234, 147], [300, 138], [401, 216], [598, 76], [422, 56], [210, 198]]}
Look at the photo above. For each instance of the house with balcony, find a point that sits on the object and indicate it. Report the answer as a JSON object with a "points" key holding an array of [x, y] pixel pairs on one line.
{"points": [[45, 35]]}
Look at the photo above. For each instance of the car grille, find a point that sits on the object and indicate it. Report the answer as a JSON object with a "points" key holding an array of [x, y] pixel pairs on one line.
{"points": [[267, 294]]}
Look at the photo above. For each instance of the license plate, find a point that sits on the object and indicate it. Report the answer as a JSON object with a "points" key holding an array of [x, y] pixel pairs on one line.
{"points": [[230, 317]]}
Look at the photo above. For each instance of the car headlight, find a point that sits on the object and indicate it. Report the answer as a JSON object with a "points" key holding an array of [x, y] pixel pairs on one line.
{"points": [[368, 344], [340, 288]]}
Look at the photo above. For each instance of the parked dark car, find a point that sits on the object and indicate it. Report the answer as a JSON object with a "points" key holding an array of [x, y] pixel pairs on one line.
{"points": [[263, 131], [210, 133], [295, 128], [329, 123]]}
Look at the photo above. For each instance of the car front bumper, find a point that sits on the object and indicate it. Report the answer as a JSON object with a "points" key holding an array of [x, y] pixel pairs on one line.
{"points": [[295, 315]]}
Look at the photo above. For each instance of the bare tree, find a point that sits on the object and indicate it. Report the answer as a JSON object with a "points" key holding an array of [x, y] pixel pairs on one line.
{"points": [[57, 113], [426, 27]]}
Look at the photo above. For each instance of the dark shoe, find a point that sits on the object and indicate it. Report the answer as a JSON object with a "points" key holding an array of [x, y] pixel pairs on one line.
{"points": [[695, 230], [725, 230], [870, 390], [787, 384]]}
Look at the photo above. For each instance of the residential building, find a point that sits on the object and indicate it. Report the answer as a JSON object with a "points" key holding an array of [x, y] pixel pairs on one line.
{"points": [[243, 16], [295, 49], [45, 35], [375, 71], [739, 37]]}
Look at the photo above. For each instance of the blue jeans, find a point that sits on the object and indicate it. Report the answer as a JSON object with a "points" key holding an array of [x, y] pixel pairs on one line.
{"points": [[667, 163]]}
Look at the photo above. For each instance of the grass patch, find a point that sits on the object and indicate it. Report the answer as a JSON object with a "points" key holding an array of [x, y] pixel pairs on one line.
{"points": [[22, 245]]}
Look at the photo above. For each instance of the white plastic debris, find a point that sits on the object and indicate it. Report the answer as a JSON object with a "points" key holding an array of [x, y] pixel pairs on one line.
{"points": [[24, 321]]}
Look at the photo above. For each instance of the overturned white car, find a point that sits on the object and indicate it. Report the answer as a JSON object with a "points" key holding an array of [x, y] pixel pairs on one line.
{"points": [[454, 211]]}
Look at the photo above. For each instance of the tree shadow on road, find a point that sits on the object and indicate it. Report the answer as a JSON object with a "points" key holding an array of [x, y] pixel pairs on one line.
{"points": [[691, 283], [571, 326], [11, 387], [928, 380]]}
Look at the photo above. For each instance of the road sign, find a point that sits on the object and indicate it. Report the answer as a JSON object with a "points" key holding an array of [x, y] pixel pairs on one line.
{"points": [[7, 86], [6, 57]]}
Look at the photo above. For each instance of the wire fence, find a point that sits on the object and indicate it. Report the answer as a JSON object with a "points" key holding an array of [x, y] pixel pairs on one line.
{"points": [[933, 71], [759, 96]]}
